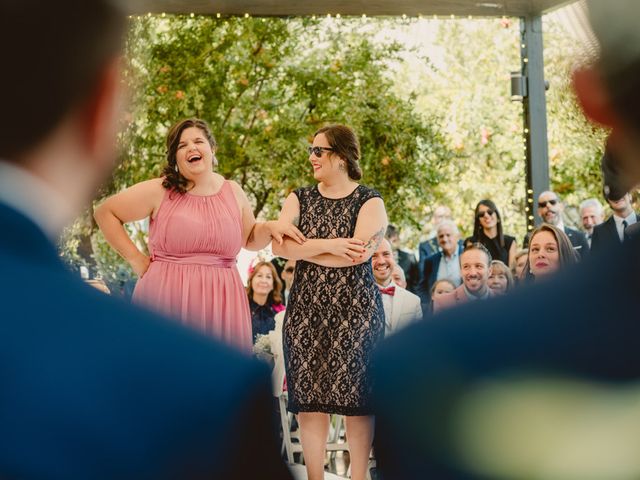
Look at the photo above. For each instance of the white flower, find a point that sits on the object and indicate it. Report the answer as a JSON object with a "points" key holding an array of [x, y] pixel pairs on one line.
{"points": [[262, 344]]}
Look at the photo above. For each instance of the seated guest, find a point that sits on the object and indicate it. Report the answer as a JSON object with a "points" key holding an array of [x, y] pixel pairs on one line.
{"points": [[265, 300], [550, 209], [401, 307], [398, 277], [519, 264], [487, 229], [287, 277], [611, 234], [500, 278], [474, 266], [592, 214], [549, 251], [441, 287], [429, 246], [444, 264], [403, 258]]}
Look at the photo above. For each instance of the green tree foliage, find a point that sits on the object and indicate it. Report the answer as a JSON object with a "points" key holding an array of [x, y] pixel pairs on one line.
{"points": [[265, 85], [465, 82]]}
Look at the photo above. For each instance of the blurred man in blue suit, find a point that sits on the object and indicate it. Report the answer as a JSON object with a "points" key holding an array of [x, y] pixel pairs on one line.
{"points": [[539, 384], [92, 388]]}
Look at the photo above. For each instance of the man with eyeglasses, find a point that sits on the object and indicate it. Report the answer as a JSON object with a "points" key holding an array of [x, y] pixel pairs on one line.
{"points": [[550, 209]]}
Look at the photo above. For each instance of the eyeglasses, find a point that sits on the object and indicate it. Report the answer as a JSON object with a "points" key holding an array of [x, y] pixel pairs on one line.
{"points": [[489, 211], [317, 151], [553, 201], [289, 269]]}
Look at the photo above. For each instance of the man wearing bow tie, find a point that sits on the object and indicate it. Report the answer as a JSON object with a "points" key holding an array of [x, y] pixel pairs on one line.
{"points": [[401, 307]]}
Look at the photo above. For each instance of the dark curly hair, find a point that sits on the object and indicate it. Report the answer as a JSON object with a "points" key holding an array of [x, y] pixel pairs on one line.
{"points": [[173, 179], [345, 144]]}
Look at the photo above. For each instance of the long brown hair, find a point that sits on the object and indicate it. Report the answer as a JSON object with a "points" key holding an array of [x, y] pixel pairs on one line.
{"points": [[344, 143], [173, 179], [275, 295], [566, 254]]}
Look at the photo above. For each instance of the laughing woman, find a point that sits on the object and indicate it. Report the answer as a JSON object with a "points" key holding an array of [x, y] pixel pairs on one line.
{"points": [[334, 315], [198, 223]]}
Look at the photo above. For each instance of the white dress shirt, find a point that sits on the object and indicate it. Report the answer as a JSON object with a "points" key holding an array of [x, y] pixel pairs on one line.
{"points": [[387, 303], [631, 219]]}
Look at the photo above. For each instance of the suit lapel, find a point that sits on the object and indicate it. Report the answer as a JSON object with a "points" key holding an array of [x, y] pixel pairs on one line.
{"points": [[396, 306]]}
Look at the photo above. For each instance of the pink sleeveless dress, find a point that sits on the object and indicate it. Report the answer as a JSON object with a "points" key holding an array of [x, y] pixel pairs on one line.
{"points": [[194, 241]]}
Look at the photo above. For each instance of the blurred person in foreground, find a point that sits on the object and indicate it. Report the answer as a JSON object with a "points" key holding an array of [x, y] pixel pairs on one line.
{"points": [[530, 385], [93, 388]]}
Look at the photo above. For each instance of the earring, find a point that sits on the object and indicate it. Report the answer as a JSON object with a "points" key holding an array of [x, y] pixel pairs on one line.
{"points": [[176, 167]]}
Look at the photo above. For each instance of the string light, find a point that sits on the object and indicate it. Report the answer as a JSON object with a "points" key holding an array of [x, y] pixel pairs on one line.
{"points": [[337, 15], [328, 15], [163, 14], [404, 16], [218, 15], [246, 15], [364, 16], [525, 60], [192, 15], [453, 16]]}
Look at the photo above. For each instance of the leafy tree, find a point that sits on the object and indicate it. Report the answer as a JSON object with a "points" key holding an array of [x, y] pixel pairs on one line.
{"points": [[264, 86]]}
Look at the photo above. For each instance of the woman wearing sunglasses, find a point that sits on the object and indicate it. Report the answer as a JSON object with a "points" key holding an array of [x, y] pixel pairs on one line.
{"points": [[487, 230], [334, 315]]}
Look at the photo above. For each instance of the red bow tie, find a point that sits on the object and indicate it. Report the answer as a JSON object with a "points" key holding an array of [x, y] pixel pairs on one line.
{"points": [[388, 291]]}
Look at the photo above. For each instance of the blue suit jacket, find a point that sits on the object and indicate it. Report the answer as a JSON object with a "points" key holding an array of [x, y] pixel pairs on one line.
{"points": [[435, 378], [93, 388]]}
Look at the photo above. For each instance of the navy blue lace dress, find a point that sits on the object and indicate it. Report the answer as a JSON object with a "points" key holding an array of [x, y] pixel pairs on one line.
{"points": [[334, 317]]}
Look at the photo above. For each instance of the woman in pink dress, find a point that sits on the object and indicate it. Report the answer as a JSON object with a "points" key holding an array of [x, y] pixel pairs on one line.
{"points": [[198, 223]]}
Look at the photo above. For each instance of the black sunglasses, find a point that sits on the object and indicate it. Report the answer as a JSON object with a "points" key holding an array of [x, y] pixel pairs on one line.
{"points": [[550, 202], [479, 215], [317, 151], [289, 269]]}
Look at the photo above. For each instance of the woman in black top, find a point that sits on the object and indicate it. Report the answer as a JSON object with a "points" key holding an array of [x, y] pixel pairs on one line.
{"points": [[487, 230]]}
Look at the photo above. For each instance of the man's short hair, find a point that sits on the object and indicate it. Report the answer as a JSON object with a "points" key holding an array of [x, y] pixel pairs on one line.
{"points": [[448, 223], [592, 203], [52, 52], [477, 246]]}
